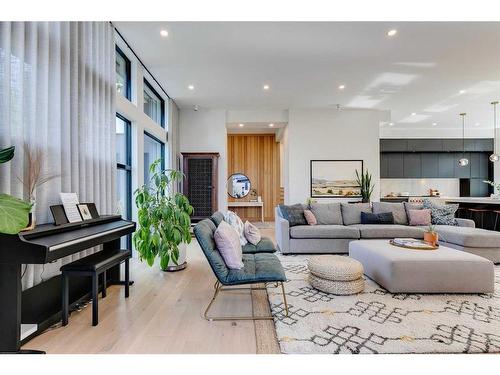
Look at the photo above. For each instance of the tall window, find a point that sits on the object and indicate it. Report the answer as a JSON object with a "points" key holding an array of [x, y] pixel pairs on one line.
{"points": [[153, 149], [154, 105], [123, 78], [124, 171]]}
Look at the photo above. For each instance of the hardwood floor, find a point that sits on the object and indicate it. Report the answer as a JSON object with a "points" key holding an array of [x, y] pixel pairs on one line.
{"points": [[162, 315]]}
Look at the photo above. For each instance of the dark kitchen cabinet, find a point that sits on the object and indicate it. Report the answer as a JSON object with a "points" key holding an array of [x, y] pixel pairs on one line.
{"points": [[483, 145], [384, 168], [452, 145], [446, 165], [478, 188], [425, 145], [393, 145], [479, 164], [412, 167], [395, 165], [430, 161]]}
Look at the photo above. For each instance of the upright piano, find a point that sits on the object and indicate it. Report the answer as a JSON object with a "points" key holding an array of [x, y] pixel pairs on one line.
{"points": [[39, 307]]}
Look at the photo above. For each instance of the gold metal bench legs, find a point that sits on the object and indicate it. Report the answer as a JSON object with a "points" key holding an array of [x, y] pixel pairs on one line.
{"points": [[219, 288]]}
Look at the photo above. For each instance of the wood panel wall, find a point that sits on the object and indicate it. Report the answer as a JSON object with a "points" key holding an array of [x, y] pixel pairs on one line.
{"points": [[258, 157]]}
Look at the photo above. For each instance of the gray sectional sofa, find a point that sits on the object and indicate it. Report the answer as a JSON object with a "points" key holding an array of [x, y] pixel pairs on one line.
{"points": [[339, 224]]}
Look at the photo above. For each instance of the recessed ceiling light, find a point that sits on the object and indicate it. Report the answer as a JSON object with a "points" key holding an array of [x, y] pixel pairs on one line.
{"points": [[341, 87], [392, 32], [164, 33], [191, 87], [477, 124], [462, 92], [413, 113], [271, 125], [265, 87], [434, 123], [391, 124], [241, 125]]}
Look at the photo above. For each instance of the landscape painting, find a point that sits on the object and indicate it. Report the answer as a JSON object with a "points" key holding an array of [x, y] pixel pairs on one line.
{"points": [[335, 178]]}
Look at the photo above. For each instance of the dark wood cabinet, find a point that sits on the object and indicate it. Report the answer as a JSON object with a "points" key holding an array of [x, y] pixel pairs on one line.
{"points": [[446, 165], [200, 183], [425, 145], [412, 167], [395, 167], [393, 145], [384, 168], [430, 161]]}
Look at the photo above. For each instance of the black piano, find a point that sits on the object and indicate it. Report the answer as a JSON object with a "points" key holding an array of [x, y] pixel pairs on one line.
{"points": [[39, 307]]}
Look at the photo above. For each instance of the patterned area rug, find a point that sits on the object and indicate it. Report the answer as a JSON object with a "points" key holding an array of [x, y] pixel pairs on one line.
{"points": [[376, 321]]}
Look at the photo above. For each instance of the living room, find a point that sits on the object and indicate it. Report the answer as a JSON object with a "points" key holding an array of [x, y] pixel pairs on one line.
{"points": [[235, 184]]}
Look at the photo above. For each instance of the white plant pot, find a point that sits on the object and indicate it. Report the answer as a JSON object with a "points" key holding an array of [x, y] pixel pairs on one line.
{"points": [[182, 262]]}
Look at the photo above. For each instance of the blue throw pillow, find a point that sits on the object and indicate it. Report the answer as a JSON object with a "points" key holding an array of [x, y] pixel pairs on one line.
{"points": [[441, 214], [381, 218]]}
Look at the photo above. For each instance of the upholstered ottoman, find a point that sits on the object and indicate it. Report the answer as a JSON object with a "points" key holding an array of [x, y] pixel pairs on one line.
{"points": [[445, 270], [336, 274]]}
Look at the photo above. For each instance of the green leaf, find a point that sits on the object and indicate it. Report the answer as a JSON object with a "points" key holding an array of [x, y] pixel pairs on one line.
{"points": [[6, 154], [164, 260], [13, 214]]}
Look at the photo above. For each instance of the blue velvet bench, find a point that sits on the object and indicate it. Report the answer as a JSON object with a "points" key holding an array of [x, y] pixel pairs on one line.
{"points": [[259, 268], [265, 245]]}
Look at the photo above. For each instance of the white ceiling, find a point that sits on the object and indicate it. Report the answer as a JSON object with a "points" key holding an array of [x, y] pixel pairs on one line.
{"points": [[422, 69]]}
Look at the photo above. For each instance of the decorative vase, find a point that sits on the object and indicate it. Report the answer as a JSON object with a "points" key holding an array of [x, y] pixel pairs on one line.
{"points": [[431, 238], [181, 262]]}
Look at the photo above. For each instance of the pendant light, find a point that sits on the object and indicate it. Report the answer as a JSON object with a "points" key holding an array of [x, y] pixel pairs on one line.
{"points": [[494, 157], [463, 162]]}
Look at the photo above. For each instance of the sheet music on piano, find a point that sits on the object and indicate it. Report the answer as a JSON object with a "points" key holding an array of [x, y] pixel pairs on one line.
{"points": [[70, 201]]}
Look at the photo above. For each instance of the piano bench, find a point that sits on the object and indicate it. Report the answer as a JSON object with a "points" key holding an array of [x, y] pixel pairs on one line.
{"points": [[93, 266]]}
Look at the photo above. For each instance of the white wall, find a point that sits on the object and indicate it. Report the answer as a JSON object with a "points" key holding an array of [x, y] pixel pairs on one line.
{"points": [[329, 134], [205, 131]]}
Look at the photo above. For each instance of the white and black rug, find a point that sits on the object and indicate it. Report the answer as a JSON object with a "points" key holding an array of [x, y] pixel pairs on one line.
{"points": [[377, 321]]}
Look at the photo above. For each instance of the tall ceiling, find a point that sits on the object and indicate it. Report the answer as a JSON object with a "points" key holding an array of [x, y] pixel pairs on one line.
{"points": [[423, 69]]}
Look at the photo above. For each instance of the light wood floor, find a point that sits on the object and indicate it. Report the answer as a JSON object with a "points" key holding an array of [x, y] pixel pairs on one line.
{"points": [[162, 315]]}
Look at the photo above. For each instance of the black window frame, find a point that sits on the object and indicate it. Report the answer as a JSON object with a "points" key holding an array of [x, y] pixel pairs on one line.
{"points": [[128, 72], [128, 168], [162, 102], [162, 150]]}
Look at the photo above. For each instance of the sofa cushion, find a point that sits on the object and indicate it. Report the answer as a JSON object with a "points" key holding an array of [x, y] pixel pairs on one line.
{"points": [[204, 232], [323, 231], [389, 231], [310, 218], [442, 214], [397, 209], [234, 220], [265, 245], [217, 218], [294, 214], [252, 233], [327, 213], [228, 244], [419, 217], [381, 218], [468, 237], [257, 268], [351, 212]]}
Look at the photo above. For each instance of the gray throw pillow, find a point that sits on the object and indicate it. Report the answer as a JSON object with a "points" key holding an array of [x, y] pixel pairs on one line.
{"points": [[351, 212], [327, 213], [441, 214], [294, 214], [397, 209], [411, 206]]}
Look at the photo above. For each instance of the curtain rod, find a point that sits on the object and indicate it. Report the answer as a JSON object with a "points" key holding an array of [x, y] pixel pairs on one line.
{"points": [[138, 58]]}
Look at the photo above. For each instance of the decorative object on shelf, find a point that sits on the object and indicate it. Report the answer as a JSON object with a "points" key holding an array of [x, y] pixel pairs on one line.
{"points": [[463, 162], [431, 236], [253, 195], [14, 212], [365, 181], [33, 178], [335, 178], [494, 157], [164, 220], [238, 185]]}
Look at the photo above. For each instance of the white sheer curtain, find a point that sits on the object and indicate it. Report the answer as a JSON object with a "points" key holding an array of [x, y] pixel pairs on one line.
{"points": [[57, 93]]}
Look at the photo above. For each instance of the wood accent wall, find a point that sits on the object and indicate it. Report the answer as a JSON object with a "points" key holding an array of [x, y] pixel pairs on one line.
{"points": [[258, 157]]}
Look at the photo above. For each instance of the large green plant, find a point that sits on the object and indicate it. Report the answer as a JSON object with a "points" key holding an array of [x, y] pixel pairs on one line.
{"points": [[364, 180], [13, 211], [164, 218]]}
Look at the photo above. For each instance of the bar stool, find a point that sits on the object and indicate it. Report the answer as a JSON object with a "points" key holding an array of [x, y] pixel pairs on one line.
{"points": [[475, 211], [461, 212], [497, 213]]}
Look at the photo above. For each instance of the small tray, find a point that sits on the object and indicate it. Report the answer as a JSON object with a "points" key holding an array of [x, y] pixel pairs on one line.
{"points": [[430, 247]]}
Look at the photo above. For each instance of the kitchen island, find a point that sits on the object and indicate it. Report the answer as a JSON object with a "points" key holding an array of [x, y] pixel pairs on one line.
{"points": [[483, 210]]}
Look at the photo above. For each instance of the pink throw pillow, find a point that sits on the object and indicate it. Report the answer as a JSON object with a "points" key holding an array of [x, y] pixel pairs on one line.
{"points": [[310, 218], [228, 243], [419, 217], [252, 233]]}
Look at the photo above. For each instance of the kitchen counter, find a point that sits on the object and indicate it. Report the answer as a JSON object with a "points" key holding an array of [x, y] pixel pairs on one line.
{"points": [[473, 200]]}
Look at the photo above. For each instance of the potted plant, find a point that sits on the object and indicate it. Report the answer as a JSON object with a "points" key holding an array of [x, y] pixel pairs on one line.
{"points": [[164, 220], [364, 180], [13, 211], [431, 236], [496, 188]]}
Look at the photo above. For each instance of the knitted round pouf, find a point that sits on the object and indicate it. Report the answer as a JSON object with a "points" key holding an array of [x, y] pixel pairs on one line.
{"points": [[335, 267], [337, 287], [336, 274]]}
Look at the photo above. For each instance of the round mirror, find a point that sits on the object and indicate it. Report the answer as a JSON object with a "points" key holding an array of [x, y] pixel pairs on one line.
{"points": [[238, 185]]}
